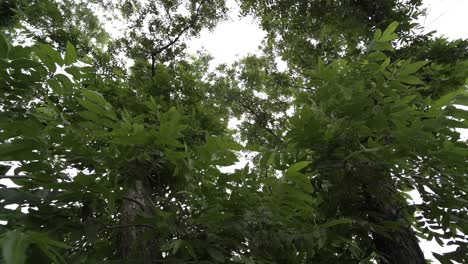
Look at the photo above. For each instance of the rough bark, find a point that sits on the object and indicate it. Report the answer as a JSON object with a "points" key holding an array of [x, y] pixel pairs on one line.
{"points": [[395, 247], [133, 246], [403, 247]]}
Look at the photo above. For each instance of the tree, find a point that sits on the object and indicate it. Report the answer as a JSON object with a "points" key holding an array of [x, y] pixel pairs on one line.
{"points": [[124, 164]]}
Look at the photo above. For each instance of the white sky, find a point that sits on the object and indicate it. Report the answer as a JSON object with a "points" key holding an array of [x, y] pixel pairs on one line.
{"points": [[231, 39], [238, 37], [448, 17]]}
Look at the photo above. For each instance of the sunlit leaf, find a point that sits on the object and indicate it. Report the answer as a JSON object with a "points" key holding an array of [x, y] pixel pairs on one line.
{"points": [[70, 54], [14, 244]]}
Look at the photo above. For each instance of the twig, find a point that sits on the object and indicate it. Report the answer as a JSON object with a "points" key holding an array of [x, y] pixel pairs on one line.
{"points": [[16, 177], [135, 201], [125, 226], [174, 40], [130, 225], [267, 129]]}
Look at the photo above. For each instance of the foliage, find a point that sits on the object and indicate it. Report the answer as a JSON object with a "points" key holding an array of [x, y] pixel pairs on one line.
{"points": [[330, 29], [115, 163]]}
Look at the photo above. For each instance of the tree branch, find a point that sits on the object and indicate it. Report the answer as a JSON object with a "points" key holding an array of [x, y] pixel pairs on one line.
{"points": [[267, 129], [16, 177], [135, 201], [129, 225], [125, 226], [178, 36]]}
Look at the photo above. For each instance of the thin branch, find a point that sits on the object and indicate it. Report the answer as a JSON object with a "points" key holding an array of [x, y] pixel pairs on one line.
{"points": [[163, 48], [168, 13], [125, 226], [135, 201], [174, 40], [16, 177], [153, 61], [352, 154], [130, 225], [267, 129]]}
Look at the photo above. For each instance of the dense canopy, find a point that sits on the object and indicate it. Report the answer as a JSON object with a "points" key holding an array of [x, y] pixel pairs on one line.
{"points": [[116, 148]]}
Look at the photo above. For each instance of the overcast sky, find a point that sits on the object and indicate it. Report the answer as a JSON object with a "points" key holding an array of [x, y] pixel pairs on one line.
{"points": [[238, 37]]}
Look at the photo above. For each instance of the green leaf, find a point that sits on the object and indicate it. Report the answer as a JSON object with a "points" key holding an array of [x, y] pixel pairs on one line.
{"points": [[389, 34], [47, 245], [91, 106], [19, 52], [50, 253], [176, 246], [14, 244], [70, 54], [408, 79], [84, 180], [407, 99], [461, 99], [13, 195], [384, 64], [66, 83], [393, 225], [4, 169], [377, 34], [382, 46], [97, 109], [45, 113], [98, 119], [4, 46], [296, 167], [224, 158], [47, 53], [216, 255], [449, 98], [377, 56], [337, 222], [412, 68], [456, 112], [56, 86], [24, 64], [94, 96], [18, 150], [96, 103], [42, 238], [47, 61]]}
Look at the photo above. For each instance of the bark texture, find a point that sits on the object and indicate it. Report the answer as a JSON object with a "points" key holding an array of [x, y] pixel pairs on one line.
{"points": [[134, 247], [403, 247], [398, 246]]}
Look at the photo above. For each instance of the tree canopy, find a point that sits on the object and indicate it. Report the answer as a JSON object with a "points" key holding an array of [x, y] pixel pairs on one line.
{"points": [[117, 147]]}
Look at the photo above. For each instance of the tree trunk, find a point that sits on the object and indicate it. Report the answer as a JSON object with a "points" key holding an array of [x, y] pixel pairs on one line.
{"points": [[395, 247], [134, 247], [403, 247]]}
